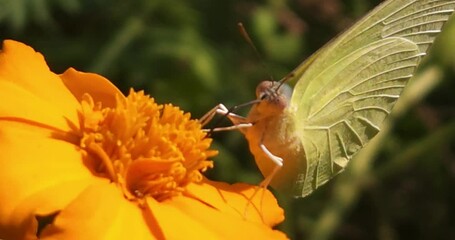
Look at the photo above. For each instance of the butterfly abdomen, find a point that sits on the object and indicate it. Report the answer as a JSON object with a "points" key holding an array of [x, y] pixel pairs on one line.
{"points": [[277, 132]]}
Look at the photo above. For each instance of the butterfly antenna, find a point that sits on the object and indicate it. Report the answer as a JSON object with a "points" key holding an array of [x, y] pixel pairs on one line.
{"points": [[285, 79], [247, 37], [250, 42]]}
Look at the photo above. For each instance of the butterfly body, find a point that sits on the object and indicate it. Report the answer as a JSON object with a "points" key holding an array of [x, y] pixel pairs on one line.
{"points": [[274, 127]]}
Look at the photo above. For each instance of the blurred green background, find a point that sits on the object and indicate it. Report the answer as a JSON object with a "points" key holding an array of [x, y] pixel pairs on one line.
{"points": [[190, 53]]}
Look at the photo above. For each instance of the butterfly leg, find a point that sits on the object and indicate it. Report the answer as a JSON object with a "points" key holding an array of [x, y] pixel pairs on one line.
{"points": [[221, 110], [275, 159], [218, 109], [229, 128], [265, 183], [239, 122]]}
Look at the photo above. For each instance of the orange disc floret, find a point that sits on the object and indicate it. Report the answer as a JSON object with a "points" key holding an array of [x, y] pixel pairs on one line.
{"points": [[146, 148]]}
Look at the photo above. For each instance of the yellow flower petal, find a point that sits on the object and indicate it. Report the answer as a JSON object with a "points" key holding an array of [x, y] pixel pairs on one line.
{"points": [[187, 218], [32, 164], [29, 90], [235, 199], [99, 212], [80, 83]]}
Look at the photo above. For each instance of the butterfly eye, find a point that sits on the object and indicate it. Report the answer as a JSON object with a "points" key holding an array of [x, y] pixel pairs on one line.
{"points": [[263, 95]]}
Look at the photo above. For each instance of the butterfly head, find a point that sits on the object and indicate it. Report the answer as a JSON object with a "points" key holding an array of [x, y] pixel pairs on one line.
{"points": [[273, 96]]}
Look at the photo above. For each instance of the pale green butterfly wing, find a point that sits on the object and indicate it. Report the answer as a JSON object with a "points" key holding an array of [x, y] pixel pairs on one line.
{"points": [[345, 94], [371, 80]]}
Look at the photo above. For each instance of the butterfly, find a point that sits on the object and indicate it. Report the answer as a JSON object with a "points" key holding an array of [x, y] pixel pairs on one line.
{"points": [[303, 137]]}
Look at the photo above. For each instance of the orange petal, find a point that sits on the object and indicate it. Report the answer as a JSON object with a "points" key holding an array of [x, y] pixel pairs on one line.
{"points": [[25, 72], [175, 224], [99, 212], [186, 218], [101, 89], [235, 200], [40, 173]]}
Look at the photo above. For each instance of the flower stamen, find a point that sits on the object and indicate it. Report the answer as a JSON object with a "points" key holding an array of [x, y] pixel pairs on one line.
{"points": [[145, 148]]}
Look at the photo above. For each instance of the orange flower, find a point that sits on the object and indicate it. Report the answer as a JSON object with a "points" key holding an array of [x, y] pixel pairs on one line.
{"points": [[94, 164]]}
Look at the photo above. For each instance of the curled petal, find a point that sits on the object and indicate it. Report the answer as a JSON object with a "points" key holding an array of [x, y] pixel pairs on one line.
{"points": [[101, 89]]}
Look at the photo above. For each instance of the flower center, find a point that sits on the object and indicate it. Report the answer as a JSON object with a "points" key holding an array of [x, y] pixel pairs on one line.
{"points": [[146, 148]]}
